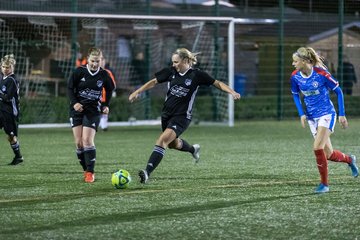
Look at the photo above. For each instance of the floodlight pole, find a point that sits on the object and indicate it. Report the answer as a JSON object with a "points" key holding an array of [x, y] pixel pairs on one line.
{"points": [[340, 75], [280, 108]]}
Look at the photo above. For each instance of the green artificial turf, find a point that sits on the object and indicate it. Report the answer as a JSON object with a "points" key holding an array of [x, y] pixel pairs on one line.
{"points": [[254, 181]]}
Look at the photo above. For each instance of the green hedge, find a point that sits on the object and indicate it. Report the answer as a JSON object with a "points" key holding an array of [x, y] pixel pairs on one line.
{"points": [[55, 110]]}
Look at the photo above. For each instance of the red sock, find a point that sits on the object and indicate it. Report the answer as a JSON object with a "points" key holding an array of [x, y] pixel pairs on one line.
{"points": [[322, 165], [338, 156]]}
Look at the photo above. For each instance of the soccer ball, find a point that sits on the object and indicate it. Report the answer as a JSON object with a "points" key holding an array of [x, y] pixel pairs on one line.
{"points": [[121, 179]]}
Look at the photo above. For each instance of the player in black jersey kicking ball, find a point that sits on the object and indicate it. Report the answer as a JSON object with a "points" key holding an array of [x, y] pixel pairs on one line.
{"points": [[184, 82], [84, 89], [9, 105]]}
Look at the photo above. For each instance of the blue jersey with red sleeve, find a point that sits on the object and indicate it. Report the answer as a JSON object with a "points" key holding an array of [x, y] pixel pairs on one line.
{"points": [[315, 89]]}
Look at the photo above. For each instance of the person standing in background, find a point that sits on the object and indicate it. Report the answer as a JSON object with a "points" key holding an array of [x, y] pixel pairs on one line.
{"points": [[104, 119], [80, 60], [349, 76]]}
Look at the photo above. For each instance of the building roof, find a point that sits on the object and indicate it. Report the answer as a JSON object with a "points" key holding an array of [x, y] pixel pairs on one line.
{"points": [[351, 27]]}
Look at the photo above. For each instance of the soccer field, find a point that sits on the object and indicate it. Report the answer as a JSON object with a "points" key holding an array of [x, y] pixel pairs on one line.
{"points": [[253, 181]]}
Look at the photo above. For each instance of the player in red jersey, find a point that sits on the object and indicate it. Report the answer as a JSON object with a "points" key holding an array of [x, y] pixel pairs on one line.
{"points": [[105, 117]]}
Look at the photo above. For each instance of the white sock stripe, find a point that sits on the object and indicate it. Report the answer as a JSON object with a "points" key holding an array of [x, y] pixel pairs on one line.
{"points": [[79, 150], [89, 148], [181, 143], [159, 150]]}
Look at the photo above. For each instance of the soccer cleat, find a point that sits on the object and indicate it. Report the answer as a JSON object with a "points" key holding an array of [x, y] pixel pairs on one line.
{"points": [[353, 167], [196, 154], [322, 188], [144, 176], [16, 161], [89, 177]]}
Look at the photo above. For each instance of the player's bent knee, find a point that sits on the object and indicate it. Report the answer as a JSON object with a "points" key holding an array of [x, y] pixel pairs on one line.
{"points": [[176, 144], [12, 139]]}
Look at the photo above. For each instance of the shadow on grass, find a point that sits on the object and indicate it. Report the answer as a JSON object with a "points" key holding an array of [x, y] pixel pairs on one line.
{"points": [[99, 191], [146, 215]]}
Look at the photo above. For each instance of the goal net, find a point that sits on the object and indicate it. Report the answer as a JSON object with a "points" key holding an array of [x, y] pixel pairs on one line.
{"points": [[48, 47]]}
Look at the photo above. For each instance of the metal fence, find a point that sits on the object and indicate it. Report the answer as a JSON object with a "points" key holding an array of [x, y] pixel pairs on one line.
{"points": [[49, 47]]}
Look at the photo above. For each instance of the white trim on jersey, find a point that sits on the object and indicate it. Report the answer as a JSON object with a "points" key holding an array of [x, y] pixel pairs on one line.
{"points": [[13, 103], [312, 71], [168, 87], [91, 73], [191, 102]]}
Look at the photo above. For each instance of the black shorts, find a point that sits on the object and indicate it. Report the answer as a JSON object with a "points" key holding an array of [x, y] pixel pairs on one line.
{"points": [[177, 123], [9, 122], [86, 119]]}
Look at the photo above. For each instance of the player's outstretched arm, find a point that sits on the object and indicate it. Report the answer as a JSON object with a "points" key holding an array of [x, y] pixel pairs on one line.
{"points": [[223, 87], [150, 84]]}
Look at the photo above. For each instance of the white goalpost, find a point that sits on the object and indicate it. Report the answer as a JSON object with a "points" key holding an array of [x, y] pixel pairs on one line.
{"points": [[231, 56], [121, 37]]}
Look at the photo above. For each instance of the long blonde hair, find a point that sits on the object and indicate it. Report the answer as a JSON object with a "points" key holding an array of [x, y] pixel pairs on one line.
{"points": [[186, 54], [8, 60], [310, 55]]}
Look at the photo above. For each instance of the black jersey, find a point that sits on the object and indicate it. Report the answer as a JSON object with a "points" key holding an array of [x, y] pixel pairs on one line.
{"points": [[85, 87], [182, 90], [9, 95]]}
